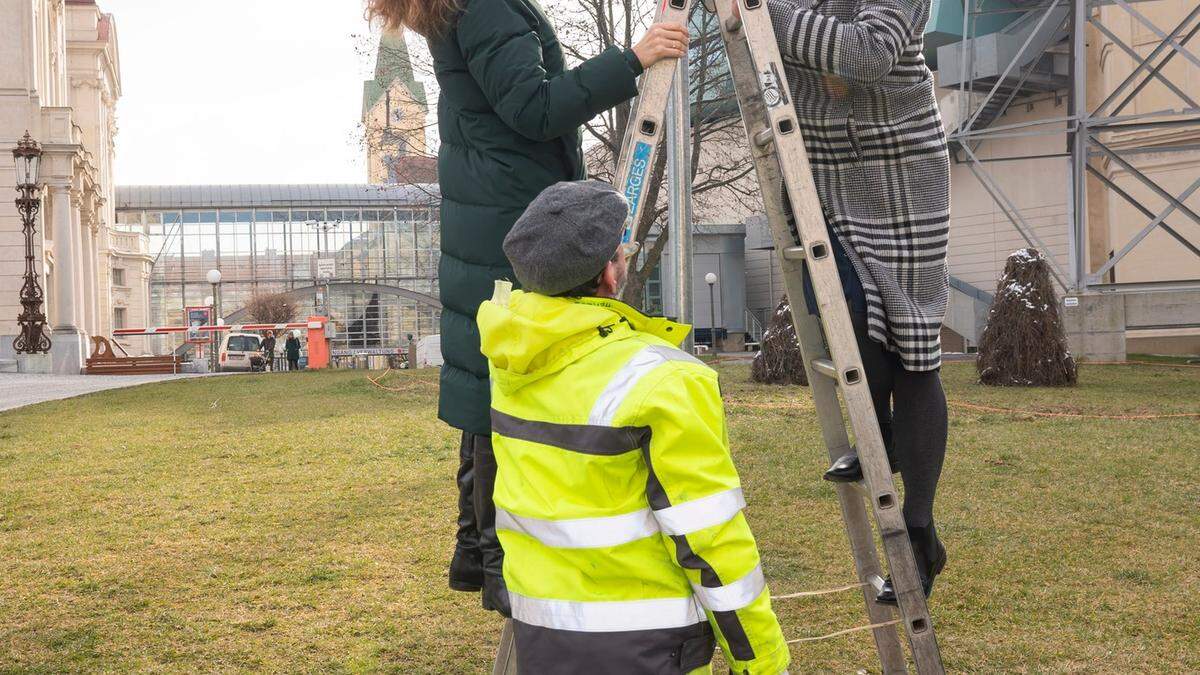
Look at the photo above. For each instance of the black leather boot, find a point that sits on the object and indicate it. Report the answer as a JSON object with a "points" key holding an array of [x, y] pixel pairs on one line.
{"points": [[931, 560], [466, 567], [495, 593]]}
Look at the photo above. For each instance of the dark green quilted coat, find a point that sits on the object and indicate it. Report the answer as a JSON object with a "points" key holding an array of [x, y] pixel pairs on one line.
{"points": [[509, 118]]}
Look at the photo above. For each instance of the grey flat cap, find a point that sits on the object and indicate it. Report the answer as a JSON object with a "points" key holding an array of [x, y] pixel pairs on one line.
{"points": [[566, 235]]}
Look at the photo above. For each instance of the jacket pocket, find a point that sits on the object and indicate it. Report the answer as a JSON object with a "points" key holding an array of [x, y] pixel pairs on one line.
{"points": [[852, 134]]}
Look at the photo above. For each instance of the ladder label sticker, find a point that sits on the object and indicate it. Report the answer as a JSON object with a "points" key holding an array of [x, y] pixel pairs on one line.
{"points": [[773, 95], [1070, 302], [635, 182]]}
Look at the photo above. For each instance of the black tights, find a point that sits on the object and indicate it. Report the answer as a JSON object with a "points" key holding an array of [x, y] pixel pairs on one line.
{"points": [[911, 408]]}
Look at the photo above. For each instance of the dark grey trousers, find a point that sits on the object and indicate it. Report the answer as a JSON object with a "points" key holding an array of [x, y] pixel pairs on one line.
{"points": [[911, 407]]}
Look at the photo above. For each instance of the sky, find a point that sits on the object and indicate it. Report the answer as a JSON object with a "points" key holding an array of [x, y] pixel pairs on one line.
{"points": [[240, 91]]}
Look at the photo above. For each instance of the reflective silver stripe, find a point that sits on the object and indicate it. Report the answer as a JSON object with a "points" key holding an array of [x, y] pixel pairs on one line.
{"points": [[697, 514], [582, 532], [606, 617], [584, 438], [733, 596], [605, 408]]}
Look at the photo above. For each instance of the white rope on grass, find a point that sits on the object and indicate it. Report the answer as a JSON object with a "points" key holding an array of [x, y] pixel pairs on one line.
{"points": [[856, 629], [811, 594]]}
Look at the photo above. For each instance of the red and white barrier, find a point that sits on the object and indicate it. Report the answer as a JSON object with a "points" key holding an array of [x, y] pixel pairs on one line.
{"points": [[318, 346], [163, 330]]}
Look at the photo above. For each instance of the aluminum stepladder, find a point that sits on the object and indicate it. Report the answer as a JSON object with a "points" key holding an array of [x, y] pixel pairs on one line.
{"points": [[827, 342]]}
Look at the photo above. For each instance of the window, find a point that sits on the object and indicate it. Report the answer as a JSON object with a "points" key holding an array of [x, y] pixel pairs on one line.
{"points": [[242, 343], [118, 276], [118, 318], [652, 295]]}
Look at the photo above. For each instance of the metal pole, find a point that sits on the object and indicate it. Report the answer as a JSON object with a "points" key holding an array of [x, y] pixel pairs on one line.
{"points": [[1077, 217], [679, 211]]}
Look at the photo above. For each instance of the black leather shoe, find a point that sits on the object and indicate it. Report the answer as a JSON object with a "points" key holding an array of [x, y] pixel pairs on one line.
{"points": [[846, 469], [495, 593], [466, 567], [931, 560]]}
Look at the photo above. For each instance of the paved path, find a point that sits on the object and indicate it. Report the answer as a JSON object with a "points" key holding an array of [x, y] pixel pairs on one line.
{"points": [[18, 390]]}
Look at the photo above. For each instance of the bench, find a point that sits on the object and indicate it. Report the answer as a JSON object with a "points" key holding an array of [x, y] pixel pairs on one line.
{"points": [[104, 362]]}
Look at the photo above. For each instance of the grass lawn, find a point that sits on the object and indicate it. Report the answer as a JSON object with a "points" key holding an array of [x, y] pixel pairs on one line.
{"points": [[302, 523]]}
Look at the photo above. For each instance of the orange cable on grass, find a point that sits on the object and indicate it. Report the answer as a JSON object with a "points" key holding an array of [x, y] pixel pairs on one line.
{"points": [[1086, 416], [993, 409], [376, 382], [1163, 364]]}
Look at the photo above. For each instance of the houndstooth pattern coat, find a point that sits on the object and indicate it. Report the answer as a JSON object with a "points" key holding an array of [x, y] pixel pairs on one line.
{"points": [[865, 103]]}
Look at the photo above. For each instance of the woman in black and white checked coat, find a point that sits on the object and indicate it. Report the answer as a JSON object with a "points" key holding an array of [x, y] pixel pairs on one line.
{"points": [[865, 103]]}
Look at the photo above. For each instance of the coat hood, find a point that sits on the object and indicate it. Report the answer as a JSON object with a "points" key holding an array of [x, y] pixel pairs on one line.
{"points": [[527, 336]]}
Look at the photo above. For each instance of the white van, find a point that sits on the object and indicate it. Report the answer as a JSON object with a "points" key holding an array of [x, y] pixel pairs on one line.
{"points": [[237, 348]]}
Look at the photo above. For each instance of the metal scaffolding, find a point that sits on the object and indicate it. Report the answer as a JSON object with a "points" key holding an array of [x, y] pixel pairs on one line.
{"points": [[1052, 58]]}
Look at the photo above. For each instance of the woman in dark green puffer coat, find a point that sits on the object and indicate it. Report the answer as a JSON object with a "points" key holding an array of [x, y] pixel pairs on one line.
{"points": [[509, 114]]}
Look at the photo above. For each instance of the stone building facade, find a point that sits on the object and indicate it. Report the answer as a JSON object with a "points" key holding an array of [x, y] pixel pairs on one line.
{"points": [[60, 81]]}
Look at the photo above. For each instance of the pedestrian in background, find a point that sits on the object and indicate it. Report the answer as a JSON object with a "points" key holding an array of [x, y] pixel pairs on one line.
{"points": [[268, 350], [509, 116], [291, 349]]}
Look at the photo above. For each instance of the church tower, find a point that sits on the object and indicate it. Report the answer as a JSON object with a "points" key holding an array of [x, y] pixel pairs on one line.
{"points": [[394, 118]]}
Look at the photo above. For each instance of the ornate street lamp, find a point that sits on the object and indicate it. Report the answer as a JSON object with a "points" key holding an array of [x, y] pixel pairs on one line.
{"points": [[214, 278], [711, 280], [32, 321]]}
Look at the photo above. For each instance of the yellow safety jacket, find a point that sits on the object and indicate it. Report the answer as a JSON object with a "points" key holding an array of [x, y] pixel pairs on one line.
{"points": [[617, 502]]}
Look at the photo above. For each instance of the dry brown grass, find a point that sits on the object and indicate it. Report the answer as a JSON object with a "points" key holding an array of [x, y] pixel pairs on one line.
{"points": [[302, 522]]}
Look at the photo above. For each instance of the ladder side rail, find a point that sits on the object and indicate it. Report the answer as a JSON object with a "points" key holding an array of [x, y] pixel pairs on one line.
{"points": [[506, 653], [812, 346], [755, 23], [643, 136]]}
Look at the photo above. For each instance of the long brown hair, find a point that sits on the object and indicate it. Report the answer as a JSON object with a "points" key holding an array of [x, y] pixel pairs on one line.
{"points": [[430, 18]]}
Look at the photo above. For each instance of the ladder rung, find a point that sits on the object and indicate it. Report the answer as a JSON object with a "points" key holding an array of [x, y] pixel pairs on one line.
{"points": [[794, 253], [825, 367], [876, 581], [860, 487], [733, 24], [886, 500], [763, 138]]}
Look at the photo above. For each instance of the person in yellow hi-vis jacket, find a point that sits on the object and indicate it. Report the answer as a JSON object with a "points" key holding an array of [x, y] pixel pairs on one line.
{"points": [[618, 505]]}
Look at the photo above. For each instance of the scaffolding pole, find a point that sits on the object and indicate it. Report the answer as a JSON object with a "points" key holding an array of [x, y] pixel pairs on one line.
{"points": [[1088, 132]]}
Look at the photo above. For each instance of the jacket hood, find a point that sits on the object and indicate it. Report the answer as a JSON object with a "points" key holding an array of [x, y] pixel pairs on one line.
{"points": [[528, 336]]}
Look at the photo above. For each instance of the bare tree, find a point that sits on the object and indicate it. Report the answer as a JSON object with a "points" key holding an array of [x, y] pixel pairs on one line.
{"points": [[721, 172], [271, 308]]}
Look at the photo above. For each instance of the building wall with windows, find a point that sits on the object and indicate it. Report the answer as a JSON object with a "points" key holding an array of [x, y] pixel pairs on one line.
{"points": [[382, 244], [981, 235]]}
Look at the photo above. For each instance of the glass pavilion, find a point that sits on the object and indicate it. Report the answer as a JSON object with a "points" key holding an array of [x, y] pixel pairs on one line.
{"points": [[379, 243]]}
